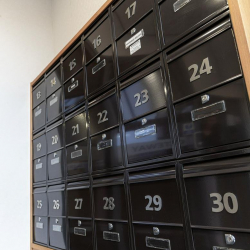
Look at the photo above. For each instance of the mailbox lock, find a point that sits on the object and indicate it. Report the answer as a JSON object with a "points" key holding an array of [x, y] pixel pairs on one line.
{"points": [[156, 231], [133, 31], [104, 136], [204, 98], [56, 220], [110, 225], [79, 223], [55, 154], [39, 219], [73, 79], [54, 95], [98, 59], [230, 239], [144, 121], [76, 147]]}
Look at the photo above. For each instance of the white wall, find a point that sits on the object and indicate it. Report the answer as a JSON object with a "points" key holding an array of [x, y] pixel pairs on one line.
{"points": [[69, 16], [26, 46]]}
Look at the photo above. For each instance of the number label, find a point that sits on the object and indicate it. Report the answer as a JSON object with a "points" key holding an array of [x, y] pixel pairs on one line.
{"points": [[109, 203], [72, 64], [39, 204], [78, 204], [97, 42], [56, 204], [138, 96], [223, 203], [130, 11], [103, 116], [75, 129], [205, 68], [54, 139], [156, 200]]}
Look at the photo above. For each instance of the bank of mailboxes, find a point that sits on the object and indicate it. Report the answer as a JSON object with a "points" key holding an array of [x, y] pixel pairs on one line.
{"points": [[149, 85]]}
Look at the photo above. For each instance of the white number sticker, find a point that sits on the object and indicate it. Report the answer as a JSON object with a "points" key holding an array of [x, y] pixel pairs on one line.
{"points": [[223, 203], [75, 129], [56, 204], [130, 11], [143, 95], [109, 203], [97, 42], [39, 204], [102, 116], [205, 68], [78, 203], [54, 139], [156, 200]]}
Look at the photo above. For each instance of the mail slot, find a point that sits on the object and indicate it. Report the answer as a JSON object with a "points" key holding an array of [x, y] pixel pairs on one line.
{"points": [[148, 137], [158, 237], [112, 235], [142, 96], [39, 169], [77, 158], [103, 115], [74, 91], [127, 13], [38, 94], [99, 39], [39, 114], [155, 196], [220, 240], [138, 43], [79, 203], [109, 198], [180, 17], [214, 118], [211, 63], [56, 197], [100, 71], [73, 63], [54, 139], [39, 146], [54, 105], [106, 150], [40, 227], [80, 234], [76, 128], [218, 199], [56, 165], [40, 202], [53, 81], [57, 232]]}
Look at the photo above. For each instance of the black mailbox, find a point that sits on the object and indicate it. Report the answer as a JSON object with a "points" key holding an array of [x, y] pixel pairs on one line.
{"points": [[57, 232], [56, 165], [56, 197], [40, 204]]}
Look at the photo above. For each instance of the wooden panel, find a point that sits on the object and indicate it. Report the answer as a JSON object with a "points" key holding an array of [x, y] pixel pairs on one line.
{"points": [[241, 23]]}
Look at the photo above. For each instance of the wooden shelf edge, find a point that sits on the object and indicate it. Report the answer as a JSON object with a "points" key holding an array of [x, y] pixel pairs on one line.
{"points": [[38, 247], [79, 33], [240, 10]]}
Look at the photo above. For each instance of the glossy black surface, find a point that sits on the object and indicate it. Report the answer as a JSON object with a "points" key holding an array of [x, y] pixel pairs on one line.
{"points": [[54, 139], [229, 127], [40, 228], [53, 81], [72, 63], [192, 15], [40, 205], [110, 202], [109, 156], [200, 203], [76, 128], [77, 158], [56, 198], [124, 18], [174, 234], [165, 193], [101, 33], [104, 115], [39, 116], [74, 91], [143, 96], [39, 169], [38, 95], [54, 105], [120, 228], [39, 147], [222, 57], [56, 165], [78, 203], [149, 44], [149, 146], [57, 238], [207, 239], [99, 75], [77, 242]]}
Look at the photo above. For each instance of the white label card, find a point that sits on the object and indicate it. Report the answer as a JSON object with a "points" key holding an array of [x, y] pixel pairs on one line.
{"points": [[135, 47], [134, 38], [53, 101]]}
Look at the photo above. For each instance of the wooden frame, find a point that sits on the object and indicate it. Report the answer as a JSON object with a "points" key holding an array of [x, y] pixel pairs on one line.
{"points": [[239, 10]]}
